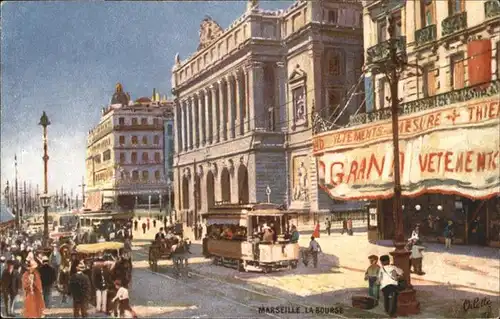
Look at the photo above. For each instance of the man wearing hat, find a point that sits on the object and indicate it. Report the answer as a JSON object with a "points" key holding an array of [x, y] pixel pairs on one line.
{"points": [[7, 286], [100, 279], [79, 289], [389, 277], [48, 277]]}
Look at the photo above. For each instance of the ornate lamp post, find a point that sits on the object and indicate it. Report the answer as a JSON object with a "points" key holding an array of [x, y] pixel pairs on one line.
{"points": [[268, 193], [45, 198], [393, 68]]}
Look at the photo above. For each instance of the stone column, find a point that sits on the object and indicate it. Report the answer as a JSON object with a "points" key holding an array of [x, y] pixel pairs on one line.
{"points": [[215, 115], [196, 120], [222, 110], [281, 104], [246, 102], [201, 118], [183, 126], [190, 123], [230, 105], [239, 104], [256, 109], [208, 117], [177, 127]]}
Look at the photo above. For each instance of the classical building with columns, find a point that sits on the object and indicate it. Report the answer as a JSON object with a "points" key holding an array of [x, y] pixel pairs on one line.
{"points": [[244, 103]]}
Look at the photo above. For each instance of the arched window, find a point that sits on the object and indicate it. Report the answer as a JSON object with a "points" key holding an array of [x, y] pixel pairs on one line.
{"points": [[225, 185], [145, 140], [135, 175], [157, 175], [198, 191], [156, 139], [335, 63], [185, 193], [243, 185], [145, 175], [145, 157], [210, 190]]}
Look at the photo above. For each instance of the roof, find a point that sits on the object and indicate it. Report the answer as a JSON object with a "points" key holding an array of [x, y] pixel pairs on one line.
{"points": [[143, 99], [95, 248]]}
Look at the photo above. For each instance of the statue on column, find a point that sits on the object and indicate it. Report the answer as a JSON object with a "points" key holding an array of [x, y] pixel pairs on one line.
{"points": [[301, 191]]}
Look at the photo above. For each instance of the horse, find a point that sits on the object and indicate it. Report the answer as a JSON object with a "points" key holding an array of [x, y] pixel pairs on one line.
{"points": [[180, 256]]}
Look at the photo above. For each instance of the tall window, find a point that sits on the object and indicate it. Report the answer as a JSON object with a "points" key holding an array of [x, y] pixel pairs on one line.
{"points": [[133, 157], [156, 122], [145, 140], [271, 119], [135, 140], [156, 140], [157, 157], [121, 140], [144, 121], [455, 6], [145, 157], [427, 12], [145, 175], [335, 63], [498, 60], [157, 175], [398, 24], [135, 175], [106, 156], [121, 121], [429, 81], [333, 16], [457, 71], [122, 158], [381, 83], [382, 30], [169, 129], [134, 121]]}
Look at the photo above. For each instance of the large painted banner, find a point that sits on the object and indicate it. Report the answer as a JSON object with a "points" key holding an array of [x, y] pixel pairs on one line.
{"points": [[451, 150]]}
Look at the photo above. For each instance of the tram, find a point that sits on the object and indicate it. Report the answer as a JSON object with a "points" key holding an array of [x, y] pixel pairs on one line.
{"points": [[234, 237]]}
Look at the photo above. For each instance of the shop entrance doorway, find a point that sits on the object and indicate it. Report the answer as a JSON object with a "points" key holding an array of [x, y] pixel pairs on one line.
{"points": [[477, 222]]}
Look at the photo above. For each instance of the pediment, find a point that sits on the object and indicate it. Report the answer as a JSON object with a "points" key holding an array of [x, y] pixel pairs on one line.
{"points": [[297, 74]]}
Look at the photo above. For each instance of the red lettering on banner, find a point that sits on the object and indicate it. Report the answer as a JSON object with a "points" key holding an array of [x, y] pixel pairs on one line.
{"points": [[362, 169], [468, 161], [373, 163], [336, 178], [437, 122], [352, 171], [460, 163], [423, 164], [484, 111], [481, 161], [401, 164], [318, 144], [447, 161], [493, 111], [430, 163], [430, 121]]}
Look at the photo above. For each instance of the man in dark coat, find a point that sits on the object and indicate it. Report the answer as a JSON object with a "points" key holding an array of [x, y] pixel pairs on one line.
{"points": [[100, 279], [79, 289], [48, 277], [9, 287]]}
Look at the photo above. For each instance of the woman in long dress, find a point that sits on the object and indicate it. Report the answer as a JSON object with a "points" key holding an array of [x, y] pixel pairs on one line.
{"points": [[32, 286], [316, 231]]}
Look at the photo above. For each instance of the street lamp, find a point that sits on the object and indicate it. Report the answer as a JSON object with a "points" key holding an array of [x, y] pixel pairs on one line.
{"points": [[45, 198], [268, 193], [169, 189]]}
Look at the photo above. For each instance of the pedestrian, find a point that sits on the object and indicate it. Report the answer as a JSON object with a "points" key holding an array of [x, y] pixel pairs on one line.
{"points": [[314, 248], [448, 234], [390, 275], [8, 281], [79, 289], [135, 224], [417, 257], [200, 230], [372, 275], [16, 285], [316, 232], [415, 234], [48, 277], [3, 264], [344, 226], [32, 286], [349, 227], [147, 221], [295, 235], [143, 228], [123, 300], [328, 226], [55, 260], [100, 278], [160, 235], [154, 223]]}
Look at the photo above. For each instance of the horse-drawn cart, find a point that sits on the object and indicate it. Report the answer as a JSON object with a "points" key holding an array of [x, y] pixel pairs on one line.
{"points": [[173, 248]]}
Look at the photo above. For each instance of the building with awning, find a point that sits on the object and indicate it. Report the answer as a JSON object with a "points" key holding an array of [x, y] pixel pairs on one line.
{"points": [[449, 123]]}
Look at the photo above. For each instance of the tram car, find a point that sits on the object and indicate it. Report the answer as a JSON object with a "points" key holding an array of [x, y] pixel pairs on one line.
{"points": [[235, 237]]}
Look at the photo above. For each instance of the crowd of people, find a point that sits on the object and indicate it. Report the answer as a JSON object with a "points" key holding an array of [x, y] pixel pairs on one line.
{"points": [[32, 272]]}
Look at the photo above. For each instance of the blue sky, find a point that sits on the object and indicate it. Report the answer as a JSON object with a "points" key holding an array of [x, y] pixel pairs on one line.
{"points": [[65, 58]]}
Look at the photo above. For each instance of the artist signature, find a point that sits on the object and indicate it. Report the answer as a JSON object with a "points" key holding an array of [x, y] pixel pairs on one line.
{"points": [[476, 303]]}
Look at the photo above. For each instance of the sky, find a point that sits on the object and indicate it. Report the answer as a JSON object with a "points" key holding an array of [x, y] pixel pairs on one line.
{"points": [[65, 58]]}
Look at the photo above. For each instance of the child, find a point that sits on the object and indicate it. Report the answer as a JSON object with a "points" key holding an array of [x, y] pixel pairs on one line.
{"points": [[123, 300], [372, 274]]}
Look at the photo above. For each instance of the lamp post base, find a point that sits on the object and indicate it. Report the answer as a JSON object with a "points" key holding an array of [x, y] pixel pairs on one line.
{"points": [[407, 299]]}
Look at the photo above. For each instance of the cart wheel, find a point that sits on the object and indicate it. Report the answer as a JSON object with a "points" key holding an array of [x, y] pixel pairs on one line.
{"points": [[240, 266]]}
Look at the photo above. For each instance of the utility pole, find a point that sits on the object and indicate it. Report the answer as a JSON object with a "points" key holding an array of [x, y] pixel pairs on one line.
{"points": [[37, 199], [82, 185], [393, 67], [25, 193], [30, 199], [16, 194], [71, 200], [7, 194]]}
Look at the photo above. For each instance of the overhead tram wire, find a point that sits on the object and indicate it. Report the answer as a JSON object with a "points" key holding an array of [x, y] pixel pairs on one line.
{"points": [[265, 112]]}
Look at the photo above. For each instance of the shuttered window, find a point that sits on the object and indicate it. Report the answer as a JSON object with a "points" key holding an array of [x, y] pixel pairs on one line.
{"points": [[457, 72]]}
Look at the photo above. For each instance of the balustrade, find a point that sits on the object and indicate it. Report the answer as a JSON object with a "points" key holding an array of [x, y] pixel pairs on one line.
{"points": [[381, 52], [491, 8], [454, 23], [426, 35]]}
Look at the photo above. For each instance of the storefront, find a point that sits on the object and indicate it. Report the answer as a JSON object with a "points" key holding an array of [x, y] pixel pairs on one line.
{"points": [[449, 171]]}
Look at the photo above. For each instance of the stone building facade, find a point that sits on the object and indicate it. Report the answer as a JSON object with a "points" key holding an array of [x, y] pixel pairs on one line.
{"points": [[244, 103], [454, 47], [125, 154]]}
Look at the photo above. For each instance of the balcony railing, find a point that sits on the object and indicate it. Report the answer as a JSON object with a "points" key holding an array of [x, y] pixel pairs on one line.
{"points": [[456, 96], [426, 35], [491, 8], [138, 127], [381, 51], [454, 23]]}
